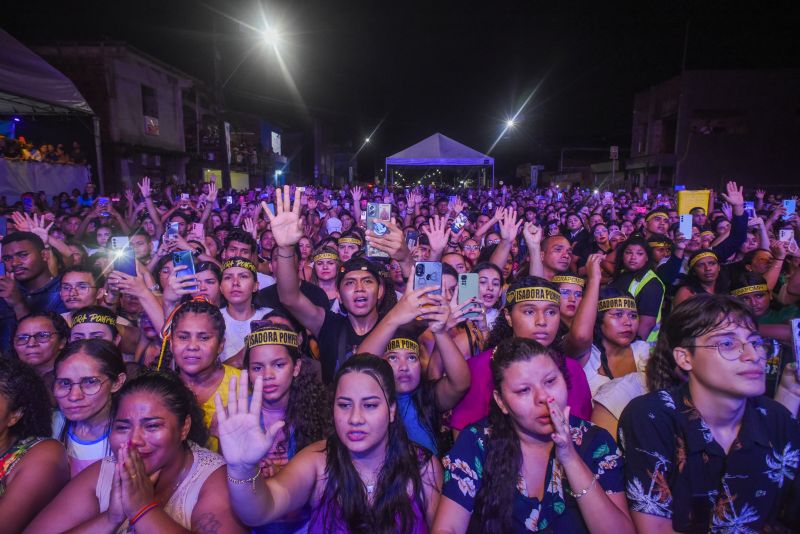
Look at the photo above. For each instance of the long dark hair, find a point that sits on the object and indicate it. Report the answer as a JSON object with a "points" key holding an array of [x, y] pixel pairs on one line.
{"points": [[495, 500], [344, 499], [607, 292], [308, 415], [178, 398], [25, 390], [689, 320]]}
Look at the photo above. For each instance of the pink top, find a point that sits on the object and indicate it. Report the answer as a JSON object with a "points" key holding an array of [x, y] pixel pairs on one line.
{"points": [[475, 404]]}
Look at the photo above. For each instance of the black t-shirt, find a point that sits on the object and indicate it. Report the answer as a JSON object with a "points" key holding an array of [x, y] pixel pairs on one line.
{"points": [[337, 342]]}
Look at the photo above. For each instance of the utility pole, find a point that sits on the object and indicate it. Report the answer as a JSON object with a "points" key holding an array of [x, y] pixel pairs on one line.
{"points": [[219, 97]]}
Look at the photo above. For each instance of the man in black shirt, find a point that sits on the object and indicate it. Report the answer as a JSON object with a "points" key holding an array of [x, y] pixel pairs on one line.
{"points": [[359, 283]]}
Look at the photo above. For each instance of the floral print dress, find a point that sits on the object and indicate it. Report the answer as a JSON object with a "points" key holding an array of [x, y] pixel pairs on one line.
{"points": [[557, 510], [676, 470]]}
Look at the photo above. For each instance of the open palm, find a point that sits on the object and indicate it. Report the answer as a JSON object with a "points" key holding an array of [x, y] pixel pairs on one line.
{"points": [[241, 437], [286, 224]]}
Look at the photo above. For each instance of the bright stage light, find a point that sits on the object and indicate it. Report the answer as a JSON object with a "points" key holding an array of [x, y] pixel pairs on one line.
{"points": [[271, 37], [366, 140], [510, 123]]}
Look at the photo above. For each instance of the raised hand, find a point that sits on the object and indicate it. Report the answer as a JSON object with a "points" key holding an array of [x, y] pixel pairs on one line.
{"points": [[532, 234], [22, 222], [250, 227], [393, 243], [760, 193], [356, 192], [410, 305], [241, 438], [212, 192], [438, 235], [286, 223], [509, 225], [727, 209], [734, 195], [593, 266], [562, 435], [144, 187], [457, 206]]}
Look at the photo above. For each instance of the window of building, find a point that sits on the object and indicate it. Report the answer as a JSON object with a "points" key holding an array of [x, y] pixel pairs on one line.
{"points": [[719, 121], [149, 102]]}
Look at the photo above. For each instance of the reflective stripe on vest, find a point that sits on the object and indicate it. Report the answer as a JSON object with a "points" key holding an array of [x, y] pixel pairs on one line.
{"points": [[636, 287]]}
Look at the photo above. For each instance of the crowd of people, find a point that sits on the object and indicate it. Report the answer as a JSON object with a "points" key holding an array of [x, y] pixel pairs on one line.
{"points": [[23, 150], [381, 360]]}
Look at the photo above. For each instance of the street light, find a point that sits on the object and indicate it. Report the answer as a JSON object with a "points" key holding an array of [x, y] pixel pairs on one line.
{"points": [[510, 123], [366, 140], [271, 37]]}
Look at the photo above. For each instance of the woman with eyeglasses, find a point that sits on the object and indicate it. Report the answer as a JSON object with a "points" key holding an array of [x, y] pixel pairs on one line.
{"points": [[87, 374], [712, 453], [37, 340], [471, 250]]}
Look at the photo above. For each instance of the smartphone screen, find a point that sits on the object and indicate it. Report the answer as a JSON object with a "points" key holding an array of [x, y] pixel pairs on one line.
{"points": [[27, 204], [3, 226], [172, 231], [184, 257], [791, 207], [468, 289], [412, 238], [459, 223], [125, 262]]}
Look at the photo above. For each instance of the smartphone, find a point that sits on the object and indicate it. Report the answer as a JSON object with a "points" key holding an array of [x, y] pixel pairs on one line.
{"points": [[119, 242], [27, 204], [786, 234], [302, 189], [685, 226], [468, 289], [271, 207], [115, 198], [791, 207], [334, 202], [750, 209], [124, 261], [451, 199], [490, 205], [796, 342], [459, 223], [378, 217], [644, 196], [412, 237], [172, 231], [427, 274], [184, 257], [2, 268], [3, 226], [559, 196], [198, 230], [346, 205], [102, 200], [640, 209], [229, 200]]}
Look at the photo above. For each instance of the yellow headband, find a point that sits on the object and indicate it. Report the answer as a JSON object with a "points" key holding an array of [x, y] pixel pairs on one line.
{"points": [[245, 264], [750, 289], [708, 233], [700, 256], [351, 240], [326, 256], [99, 318], [620, 303], [656, 214], [272, 337], [402, 343], [566, 279], [657, 244], [532, 293]]}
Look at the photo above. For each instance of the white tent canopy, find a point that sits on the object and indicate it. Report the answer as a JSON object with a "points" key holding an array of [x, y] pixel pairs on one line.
{"points": [[437, 151], [31, 86]]}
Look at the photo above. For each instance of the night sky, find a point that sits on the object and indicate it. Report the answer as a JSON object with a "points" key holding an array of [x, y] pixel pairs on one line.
{"points": [[457, 67]]}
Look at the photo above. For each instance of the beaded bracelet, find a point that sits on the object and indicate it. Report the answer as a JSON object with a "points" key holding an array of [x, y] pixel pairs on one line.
{"points": [[141, 513], [251, 480], [584, 491]]}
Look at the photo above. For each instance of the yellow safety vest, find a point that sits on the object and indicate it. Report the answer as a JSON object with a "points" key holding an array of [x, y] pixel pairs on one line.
{"points": [[634, 289]]}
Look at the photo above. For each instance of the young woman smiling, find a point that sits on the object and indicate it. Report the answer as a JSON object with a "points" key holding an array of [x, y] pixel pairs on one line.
{"points": [[158, 481], [532, 466], [366, 476]]}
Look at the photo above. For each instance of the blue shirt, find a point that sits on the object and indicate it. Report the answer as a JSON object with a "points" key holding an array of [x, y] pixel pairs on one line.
{"points": [[417, 432], [46, 298]]}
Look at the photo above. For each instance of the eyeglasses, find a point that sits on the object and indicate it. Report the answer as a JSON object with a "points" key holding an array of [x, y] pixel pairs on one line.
{"points": [[89, 385], [80, 288], [732, 350], [40, 337], [471, 247]]}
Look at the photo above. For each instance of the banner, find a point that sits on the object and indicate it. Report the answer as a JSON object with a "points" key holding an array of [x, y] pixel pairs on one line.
{"points": [[693, 199], [18, 177]]}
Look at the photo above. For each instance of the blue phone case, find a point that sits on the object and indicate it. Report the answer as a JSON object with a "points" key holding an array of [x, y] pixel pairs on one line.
{"points": [[184, 257]]}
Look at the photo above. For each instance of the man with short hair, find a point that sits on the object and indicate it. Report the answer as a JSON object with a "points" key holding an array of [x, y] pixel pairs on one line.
{"points": [[359, 283], [239, 243], [239, 286], [28, 285]]}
